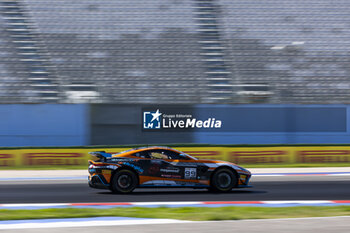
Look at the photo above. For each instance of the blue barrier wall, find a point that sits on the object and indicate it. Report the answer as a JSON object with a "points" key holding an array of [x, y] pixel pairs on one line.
{"points": [[70, 124], [266, 124], [44, 124]]}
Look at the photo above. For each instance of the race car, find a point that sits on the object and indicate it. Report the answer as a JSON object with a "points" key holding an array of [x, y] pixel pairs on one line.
{"points": [[162, 167]]}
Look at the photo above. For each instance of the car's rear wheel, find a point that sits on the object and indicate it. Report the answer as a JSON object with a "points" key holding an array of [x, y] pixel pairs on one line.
{"points": [[223, 180], [124, 181]]}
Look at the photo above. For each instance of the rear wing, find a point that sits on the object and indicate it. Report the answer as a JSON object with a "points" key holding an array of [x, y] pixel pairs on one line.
{"points": [[101, 154]]}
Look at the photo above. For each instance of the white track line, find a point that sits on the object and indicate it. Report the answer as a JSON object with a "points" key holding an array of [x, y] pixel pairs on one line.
{"points": [[167, 203], [36, 205], [297, 202], [86, 223]]}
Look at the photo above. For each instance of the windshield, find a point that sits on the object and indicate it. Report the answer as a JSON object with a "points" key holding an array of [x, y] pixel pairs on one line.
{"points": [[183, 153]]}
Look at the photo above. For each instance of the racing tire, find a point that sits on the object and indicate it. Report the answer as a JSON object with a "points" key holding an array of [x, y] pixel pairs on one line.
{"points": [[223, 180], [124, 181]]}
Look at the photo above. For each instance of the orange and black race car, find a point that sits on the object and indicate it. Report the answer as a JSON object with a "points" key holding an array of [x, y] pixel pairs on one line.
{"points": [[162, 167]]}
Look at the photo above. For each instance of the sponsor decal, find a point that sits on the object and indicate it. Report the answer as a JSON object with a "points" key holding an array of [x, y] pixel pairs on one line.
{"points": [[183, 183], [323, 156], [170, 170], [240, 155], [7, 160], [253, 157], [171, 176], [121, 160], [190, 173], [53, 159], [214, 154], [137, 168], [154, 169], [159, 120]]}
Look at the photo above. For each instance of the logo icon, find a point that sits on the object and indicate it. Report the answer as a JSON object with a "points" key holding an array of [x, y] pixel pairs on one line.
{"points": [[151, 120]]}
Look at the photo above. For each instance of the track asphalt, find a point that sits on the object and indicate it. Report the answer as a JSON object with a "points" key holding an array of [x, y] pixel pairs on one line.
{"points": [[300, 187], [268, 185]]}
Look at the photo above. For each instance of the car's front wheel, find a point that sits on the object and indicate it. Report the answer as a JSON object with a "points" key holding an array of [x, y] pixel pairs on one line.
{"points": [[124, 181], [223, 180]]}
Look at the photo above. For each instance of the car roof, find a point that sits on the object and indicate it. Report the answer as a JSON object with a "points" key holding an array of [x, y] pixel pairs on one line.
{"points": [[138, 149]]}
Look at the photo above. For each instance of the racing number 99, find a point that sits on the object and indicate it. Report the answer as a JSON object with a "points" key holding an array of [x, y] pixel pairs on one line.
{"points": [[190, 173]]}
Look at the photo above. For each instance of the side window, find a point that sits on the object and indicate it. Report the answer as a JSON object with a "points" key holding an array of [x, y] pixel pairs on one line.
{"points": [[173, 155], [158, 155], [142, 154], [164, 154]]}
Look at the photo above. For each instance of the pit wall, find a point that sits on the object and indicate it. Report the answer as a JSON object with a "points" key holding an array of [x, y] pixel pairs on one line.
{"points": [[59, 157]]}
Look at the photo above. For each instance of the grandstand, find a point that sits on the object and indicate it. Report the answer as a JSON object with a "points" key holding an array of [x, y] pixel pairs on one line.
{"points": [[174, 51]]}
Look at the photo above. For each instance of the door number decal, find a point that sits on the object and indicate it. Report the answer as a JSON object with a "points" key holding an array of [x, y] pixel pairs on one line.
{"points": [[190, 173]]}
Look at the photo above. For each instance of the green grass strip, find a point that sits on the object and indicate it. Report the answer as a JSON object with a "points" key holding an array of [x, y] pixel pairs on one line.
{"points": [[183, 213]]}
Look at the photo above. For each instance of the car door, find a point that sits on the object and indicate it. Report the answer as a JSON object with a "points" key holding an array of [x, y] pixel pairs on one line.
{"points": [[167, 168], [185, 167], [192, 170]]}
